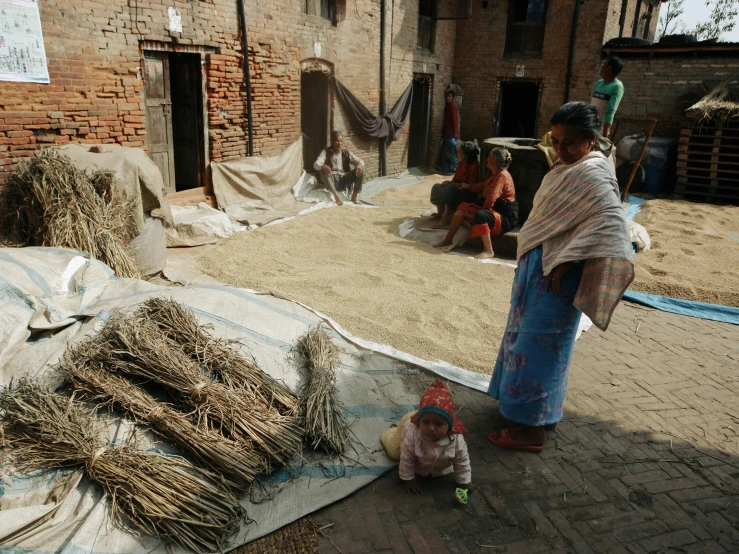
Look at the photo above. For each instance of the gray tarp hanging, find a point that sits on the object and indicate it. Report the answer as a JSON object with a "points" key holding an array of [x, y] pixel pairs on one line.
{"points": [[388, 125]]}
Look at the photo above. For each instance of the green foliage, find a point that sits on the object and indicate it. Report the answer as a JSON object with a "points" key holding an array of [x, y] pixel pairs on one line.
{"points": [[722, 19], [669, 21]]}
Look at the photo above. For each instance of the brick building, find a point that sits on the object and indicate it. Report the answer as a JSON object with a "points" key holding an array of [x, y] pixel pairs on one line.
{"points": [[512, 58], [119, 73], [662, 81]]}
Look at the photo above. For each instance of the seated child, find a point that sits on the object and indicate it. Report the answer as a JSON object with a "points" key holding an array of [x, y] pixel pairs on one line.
{"points": [[431, 441]]}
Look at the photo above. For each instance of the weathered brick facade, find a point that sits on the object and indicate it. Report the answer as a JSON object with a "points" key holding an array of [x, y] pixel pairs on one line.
{"points": [[95, 51], [482, 64], [95, 56]]}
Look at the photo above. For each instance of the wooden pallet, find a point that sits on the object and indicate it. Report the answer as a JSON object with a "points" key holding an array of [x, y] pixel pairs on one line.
{"points": [[708, 161]]}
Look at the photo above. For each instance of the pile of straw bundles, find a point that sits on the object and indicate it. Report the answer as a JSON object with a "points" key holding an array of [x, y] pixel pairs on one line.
{"points": [[238, 463], [218, 355], [132, 345], [325, 423], [49, 201], [164, 496]]}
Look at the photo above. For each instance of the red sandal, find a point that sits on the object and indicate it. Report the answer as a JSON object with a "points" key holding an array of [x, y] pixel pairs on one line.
{"points": [[504, 439]]}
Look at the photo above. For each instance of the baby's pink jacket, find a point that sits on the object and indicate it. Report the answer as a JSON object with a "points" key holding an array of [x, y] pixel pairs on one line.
{"points": [[419, 456]]}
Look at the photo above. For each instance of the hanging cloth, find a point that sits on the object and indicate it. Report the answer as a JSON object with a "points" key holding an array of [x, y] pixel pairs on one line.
{"points": [[389, 125]]}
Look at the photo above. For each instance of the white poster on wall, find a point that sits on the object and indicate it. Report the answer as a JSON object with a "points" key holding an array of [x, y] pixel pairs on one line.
{"points": [[22, 54]]}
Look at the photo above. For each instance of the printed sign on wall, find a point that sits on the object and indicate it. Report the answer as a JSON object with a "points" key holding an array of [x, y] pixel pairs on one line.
{"points": [[22, 54]]}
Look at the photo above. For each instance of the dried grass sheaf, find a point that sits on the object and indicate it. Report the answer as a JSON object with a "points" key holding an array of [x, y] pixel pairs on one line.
{"points": [[325, 423], [164, 496], [238, 463], [49, 201], [132, 345], [220, 356]]}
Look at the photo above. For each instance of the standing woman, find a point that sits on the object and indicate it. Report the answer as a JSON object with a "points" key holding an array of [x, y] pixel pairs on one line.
{"points": [[574, 256]]}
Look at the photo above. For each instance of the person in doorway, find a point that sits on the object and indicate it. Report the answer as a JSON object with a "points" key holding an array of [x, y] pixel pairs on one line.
{"points": [[494, 212], [468, 171], [335, 172], [574, 257], [608, 92], [450, 136]]}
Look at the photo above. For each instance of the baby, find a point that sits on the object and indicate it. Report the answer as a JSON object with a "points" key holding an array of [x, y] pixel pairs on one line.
{"points": [[431, 441]]}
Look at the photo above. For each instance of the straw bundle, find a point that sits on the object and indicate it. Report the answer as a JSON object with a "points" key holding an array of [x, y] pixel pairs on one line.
{"points": [[237, 462], [218, 355], [722, 101], [325, 424], [134, 346], [160, 495], [48, 201]]}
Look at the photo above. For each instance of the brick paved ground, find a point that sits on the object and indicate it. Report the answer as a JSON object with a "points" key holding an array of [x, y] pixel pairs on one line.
{"points": [[646, 459]]}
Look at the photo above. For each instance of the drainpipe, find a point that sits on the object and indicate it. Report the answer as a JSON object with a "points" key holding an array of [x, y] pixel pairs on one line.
{"points": [[247, 77], [648, 22], [622, 19], [383, 107], [635, 28], [571, 57]]}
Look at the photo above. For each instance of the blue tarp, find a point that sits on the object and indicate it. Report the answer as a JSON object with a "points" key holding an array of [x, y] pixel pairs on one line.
{"points": [[702, 310]]}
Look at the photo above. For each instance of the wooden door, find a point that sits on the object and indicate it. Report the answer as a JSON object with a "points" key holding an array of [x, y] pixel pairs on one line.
{"points": [[159, 139]]}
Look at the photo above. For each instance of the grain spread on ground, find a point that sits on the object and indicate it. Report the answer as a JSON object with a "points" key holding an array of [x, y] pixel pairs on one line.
{"points": [[351, 264], [412, 195], [695, 251]]}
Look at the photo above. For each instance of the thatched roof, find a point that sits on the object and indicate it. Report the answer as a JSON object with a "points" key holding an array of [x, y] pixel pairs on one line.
{"points": [[722, 101]]}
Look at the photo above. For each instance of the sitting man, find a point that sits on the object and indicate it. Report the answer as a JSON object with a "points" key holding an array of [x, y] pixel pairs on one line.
{"points": [[334, 169], [447, 195]]}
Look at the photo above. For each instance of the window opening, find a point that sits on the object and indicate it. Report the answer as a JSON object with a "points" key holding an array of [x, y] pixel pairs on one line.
{"points": [[426, 24], [526, 21]]}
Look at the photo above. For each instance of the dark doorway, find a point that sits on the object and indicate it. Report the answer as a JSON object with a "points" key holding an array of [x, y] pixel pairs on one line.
{"points": [[517, 111], [419, 131], [174, 118], [314, 115], [187, 119]]}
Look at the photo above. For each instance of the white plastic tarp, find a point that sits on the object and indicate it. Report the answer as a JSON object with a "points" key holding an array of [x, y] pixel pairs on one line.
{"points": [[50, 298], [200, 224]]}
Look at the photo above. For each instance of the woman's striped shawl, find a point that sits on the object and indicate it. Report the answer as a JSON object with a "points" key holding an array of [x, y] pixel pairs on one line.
{"points": [[577, 216]]}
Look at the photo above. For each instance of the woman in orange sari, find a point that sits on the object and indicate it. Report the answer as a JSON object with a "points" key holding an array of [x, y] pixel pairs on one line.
{"points": [[443, 195], [494, 212]]}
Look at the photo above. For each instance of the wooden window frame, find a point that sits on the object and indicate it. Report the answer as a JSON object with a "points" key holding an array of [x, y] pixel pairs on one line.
{"points": [[522, 29], [325, 9], [426, 37]]}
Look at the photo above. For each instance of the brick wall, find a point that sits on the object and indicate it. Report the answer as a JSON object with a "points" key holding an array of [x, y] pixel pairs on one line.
{"points": [[94, 55], [614, 19], [94, 51], [662, 88], [481, 64]]}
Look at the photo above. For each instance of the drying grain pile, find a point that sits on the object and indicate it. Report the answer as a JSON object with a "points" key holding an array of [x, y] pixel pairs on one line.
{"points": [[695, 251], [351, 264], [411, 195]]}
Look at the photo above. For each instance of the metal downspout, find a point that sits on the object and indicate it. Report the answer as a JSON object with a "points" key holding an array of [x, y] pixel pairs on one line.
{"points": [[247, 77], [570, 58], [383, 106]]}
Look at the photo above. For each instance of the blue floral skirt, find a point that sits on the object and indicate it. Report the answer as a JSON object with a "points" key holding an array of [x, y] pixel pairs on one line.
{"points": [[530, 376]]}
